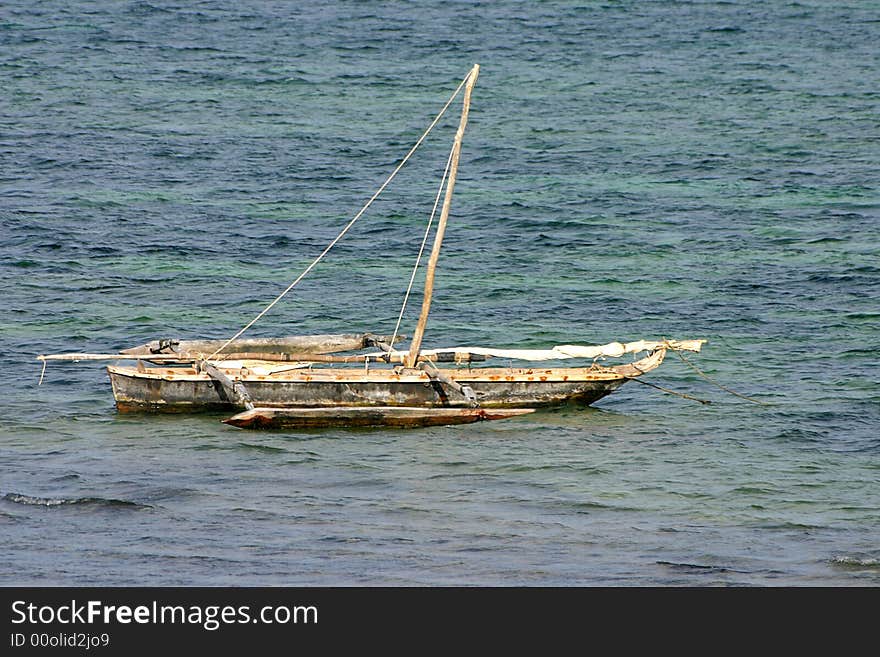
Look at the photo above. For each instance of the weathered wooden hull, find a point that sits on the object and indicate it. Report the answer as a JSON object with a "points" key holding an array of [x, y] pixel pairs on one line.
{"points": [[185, 390]]}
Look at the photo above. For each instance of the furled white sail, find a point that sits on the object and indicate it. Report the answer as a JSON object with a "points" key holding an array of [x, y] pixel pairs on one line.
{"points": [[561, 352]]}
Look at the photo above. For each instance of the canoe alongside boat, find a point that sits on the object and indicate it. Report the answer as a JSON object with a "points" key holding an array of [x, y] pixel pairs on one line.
{"points": [[373, 416]]}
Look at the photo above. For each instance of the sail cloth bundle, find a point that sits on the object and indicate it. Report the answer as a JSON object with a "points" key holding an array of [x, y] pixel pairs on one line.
{"points": [[560, 352]]}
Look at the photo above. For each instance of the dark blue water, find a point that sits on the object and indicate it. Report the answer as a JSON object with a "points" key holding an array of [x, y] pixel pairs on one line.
{"points": [[630, 170]]}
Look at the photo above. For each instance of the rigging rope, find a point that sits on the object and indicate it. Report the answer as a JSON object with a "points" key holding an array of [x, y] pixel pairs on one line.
{"points": [[702, 374], [713, 382], [349, 224], [422, 248], [667, 390]]}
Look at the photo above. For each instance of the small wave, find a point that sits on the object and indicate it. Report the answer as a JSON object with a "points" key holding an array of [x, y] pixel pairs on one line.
{"points": [[802, 435], [261, 448], [865, 315], [582, 507], [555, 467], [341, 539], [788, 525], [308, 459], [29, 500], [67, 477], [857, 562], [752, 490], [5, 516], [695, 567]]}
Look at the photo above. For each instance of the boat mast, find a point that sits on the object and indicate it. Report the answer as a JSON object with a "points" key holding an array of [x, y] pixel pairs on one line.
{"points": [[419, 333]]}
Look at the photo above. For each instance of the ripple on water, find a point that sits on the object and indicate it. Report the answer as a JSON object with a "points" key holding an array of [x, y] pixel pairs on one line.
{"points": [[852, 562], [60, 502]]}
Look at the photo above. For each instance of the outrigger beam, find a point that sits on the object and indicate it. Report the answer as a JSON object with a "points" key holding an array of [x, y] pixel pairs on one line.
{"points": [[437, 375], [235, 390], [273, 357]]}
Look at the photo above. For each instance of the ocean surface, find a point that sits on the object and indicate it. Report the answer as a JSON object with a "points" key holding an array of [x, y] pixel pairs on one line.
{"points": [[631, 170]]}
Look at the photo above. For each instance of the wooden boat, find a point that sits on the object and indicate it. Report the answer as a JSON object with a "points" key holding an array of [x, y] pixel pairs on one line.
{"points": [[362, 380], [279, 385]]}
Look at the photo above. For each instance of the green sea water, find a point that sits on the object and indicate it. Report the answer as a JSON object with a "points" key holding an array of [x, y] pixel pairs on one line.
{"points": [[630, 170]]}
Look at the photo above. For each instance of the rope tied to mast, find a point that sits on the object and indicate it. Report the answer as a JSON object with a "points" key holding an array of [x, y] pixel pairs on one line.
{"points": [[415, 270], [351, 223]]}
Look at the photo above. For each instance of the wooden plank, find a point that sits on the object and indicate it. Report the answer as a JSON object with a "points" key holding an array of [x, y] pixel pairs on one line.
{"points": [[439, 376], [371, 416], [296, 344], [235, 390]]}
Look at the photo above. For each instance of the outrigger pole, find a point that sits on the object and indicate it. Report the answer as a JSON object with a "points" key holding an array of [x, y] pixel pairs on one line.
{"points": [[416, 344]]}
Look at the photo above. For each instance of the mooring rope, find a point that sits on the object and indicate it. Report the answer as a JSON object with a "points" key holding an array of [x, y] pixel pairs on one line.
{"points": [[350, 223], [422, 248], [667, 390], [702, 374], [715, 383]]}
